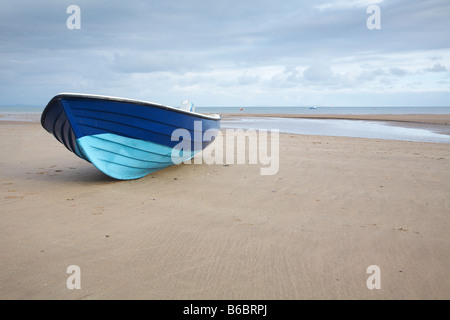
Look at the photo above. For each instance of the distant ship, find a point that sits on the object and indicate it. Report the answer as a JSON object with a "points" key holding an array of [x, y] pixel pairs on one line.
{"points": [[313, 107]]}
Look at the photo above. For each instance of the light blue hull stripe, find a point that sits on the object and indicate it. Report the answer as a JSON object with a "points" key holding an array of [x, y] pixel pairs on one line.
{"points": [[127, 158]]}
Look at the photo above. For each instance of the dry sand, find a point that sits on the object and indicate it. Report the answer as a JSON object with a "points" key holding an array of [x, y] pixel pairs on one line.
{"points": [[337, 206]]}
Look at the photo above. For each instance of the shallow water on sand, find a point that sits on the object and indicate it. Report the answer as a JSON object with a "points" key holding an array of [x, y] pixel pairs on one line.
{"points": [[344, 128]]}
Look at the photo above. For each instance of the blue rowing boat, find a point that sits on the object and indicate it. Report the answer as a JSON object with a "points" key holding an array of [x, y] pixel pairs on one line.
{"points": [[125, 138]]}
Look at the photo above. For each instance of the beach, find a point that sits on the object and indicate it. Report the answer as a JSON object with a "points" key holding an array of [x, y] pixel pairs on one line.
{"points": [[336, 207]]}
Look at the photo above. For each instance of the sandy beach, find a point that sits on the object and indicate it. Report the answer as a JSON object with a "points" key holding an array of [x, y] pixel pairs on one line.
{"points": [[336, 206]]}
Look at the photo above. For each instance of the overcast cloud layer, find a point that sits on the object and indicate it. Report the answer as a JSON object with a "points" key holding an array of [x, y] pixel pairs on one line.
{"points": [[228, 53]]}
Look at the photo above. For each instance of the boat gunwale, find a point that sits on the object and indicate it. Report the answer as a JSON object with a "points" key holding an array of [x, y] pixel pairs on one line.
{"points": [[64, 95]]}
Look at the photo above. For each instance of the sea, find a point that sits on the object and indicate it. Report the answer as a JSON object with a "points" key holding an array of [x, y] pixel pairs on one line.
{"points": [[326, 110], [326, 127]]}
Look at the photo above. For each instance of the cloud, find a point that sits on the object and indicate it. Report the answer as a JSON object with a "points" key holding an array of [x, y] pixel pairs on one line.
{"points": [[346, 4], [397, 71], [318, 73], [437, 67], [220, 50], [155, 61], [370, 75]]}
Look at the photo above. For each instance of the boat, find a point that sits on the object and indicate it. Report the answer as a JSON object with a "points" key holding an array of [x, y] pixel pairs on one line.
{"points": [[126, 138]]}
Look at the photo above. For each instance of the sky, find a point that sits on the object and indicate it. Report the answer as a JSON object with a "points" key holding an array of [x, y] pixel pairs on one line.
{"points": [[228, 53]]}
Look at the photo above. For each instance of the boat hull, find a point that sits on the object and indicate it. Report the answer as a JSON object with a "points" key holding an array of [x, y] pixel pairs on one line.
{"points": [[127, 139]]}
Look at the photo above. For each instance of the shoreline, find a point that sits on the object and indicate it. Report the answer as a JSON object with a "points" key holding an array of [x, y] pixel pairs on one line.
{"points": [[20, 117], [414, 118], [436, 123]]}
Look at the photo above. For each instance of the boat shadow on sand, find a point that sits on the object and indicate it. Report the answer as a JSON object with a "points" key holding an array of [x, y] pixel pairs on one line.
{"points": [[87, 174]]}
